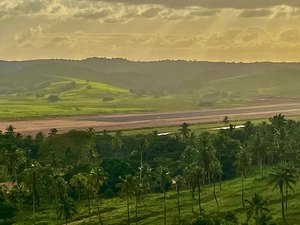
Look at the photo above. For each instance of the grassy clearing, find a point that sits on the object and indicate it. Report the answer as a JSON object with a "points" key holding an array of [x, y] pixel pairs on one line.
{"points": [[150, 208]]}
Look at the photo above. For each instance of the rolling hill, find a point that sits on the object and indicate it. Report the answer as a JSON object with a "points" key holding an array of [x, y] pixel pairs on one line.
{"points": [[99, 85]]}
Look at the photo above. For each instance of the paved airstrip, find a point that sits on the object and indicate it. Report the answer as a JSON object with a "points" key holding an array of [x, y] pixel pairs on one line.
{"points": [[143, 120]]}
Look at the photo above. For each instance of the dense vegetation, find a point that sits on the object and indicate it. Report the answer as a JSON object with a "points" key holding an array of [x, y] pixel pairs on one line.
{"points": [[185, 177], [72, 87]]}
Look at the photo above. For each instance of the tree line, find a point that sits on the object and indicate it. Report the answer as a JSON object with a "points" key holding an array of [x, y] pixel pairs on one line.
{"points": [[59, 170]]}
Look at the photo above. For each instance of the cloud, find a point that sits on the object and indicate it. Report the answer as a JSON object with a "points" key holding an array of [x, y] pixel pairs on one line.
{"points": [[255, 13], [32, 6], [93, 14], [204, 13], [151, 12], [291, 36], [236, 4]]}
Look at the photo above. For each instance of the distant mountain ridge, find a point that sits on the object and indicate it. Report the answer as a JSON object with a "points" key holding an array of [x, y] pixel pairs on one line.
{"points": [[166, 76]]}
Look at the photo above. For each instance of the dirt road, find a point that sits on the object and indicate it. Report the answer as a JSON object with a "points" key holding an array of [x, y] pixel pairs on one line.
{"points": [[131, 121]]}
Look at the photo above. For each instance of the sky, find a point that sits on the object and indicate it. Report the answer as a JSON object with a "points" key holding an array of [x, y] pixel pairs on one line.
{"points": [[210, 30]]}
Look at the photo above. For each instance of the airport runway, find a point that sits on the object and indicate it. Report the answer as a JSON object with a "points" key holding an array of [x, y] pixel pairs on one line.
{"points": [[143, 120]]}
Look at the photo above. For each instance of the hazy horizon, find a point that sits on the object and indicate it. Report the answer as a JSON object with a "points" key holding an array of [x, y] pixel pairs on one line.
{"points": [[215, 30]]}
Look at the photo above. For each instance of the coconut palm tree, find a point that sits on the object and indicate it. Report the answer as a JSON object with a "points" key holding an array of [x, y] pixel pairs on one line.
{"points": [[13, 158], [264, 219], [142, 146], [178, 182], [78, 181], [32, 179], [117, 143], [98, 177], [163, 178], [140, 187], [66, 208], [283, 177], [242, 163], [188, 161], [185, 132], [226, 121], [258, 146], [215, 171], [256, 206], [290, 180], [126, 185]]}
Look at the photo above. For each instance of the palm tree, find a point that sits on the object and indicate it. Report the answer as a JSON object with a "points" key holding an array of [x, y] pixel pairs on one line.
{"points": [[258, 146], [32, 180], [216, 171], [185, 132], [264, 219], [98, 178], [242, 163], [140, 187], [278, 121], [66, 208], [226, 121], [142, 146], [256, 206], [52, 132], [78, 181], [163, 178], [290, 180], [188, 161], [283, 177], [10, 131], [178, 182], [13, 158], [117, 143], [126, 185], [198, 172]]}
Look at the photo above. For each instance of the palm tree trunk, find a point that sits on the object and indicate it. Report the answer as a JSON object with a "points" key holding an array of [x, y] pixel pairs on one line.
{"points": [[178, 200], [282, 204], [136, 209], [243, 189], [33, 196], [261, 167], [192, 200], [215, 196], [90, 219], [33, 206], [286, 200], [165, 209], [128, 211], [99, 213], [199, 197], [220, 182], [141, 164]]}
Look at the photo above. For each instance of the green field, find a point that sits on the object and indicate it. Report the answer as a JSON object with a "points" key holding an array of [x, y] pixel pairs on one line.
{"points": [[150, 208], [120, 86]]}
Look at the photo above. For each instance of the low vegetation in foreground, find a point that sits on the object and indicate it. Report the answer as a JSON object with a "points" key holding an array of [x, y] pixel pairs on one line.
{"points": [[231, 176]]}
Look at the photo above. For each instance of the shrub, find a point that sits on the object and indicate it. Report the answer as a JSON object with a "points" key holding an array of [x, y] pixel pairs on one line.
{"points": [[53, 98], [107, 99]]}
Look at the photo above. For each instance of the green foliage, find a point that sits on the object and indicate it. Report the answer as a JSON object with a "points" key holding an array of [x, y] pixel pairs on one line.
{"points": [[76, 165], [53, 98], [7, 211]]}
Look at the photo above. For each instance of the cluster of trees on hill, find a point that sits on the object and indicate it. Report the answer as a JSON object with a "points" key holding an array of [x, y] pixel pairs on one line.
{"points": [[58, 169]]}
